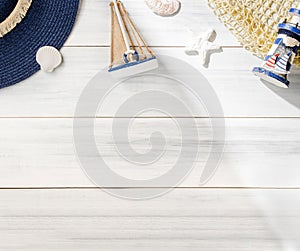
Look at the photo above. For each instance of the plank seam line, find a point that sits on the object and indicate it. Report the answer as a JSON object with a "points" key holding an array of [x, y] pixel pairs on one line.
{"points": [[177, 188], [149, 117], [152, 46]]}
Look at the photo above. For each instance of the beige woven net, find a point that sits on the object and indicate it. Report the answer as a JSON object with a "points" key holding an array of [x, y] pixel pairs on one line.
{"points": [[254, 22]]}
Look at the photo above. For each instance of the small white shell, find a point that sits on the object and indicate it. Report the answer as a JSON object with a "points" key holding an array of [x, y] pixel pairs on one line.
{"points": [[48, 58], [291, 42], [164, 7]]}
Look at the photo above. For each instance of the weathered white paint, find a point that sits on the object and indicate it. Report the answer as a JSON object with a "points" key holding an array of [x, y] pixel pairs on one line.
{"points": [[260, 160]]}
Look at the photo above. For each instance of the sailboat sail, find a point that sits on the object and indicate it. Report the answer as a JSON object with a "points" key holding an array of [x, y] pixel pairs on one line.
{"points": [[282, 64], [272, 60], [133, 37], [117, 41]]}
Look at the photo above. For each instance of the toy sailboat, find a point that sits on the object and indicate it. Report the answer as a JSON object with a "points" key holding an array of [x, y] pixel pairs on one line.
{"points": [[282, 65], [279, 65], [130, 54], [272, 60]]}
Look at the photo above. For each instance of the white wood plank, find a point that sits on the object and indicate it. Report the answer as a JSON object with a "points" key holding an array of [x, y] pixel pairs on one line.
{"points": [[258, 152], [190, 219], [240, 93], [93, 24]]}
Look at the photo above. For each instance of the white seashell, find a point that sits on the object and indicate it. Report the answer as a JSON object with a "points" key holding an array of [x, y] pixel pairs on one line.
{"points": [[48, 58], [164, 7], [291, 42]]}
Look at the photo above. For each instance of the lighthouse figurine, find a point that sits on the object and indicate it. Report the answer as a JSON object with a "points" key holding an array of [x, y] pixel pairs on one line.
{"points": [[278, 62]]}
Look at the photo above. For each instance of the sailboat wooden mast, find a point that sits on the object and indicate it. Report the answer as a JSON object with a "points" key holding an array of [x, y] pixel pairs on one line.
{"points": [[118, 43]]}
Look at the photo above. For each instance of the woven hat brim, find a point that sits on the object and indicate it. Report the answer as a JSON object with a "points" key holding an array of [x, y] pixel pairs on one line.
{"points": [[46, 23], [15, 17]]}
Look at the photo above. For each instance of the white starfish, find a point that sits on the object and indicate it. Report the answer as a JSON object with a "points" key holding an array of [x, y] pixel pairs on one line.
{"points": [[203, 45]]}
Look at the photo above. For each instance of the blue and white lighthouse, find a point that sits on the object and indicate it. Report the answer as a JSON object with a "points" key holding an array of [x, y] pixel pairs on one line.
{"points": [[278, 62]]}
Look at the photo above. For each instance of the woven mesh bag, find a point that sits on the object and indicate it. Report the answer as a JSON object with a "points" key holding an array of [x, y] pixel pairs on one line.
{"points": [[254, 22]]}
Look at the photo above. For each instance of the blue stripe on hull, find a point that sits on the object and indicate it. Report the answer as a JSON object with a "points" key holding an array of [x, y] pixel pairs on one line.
{"points": [[270, 74], [126, 65]]}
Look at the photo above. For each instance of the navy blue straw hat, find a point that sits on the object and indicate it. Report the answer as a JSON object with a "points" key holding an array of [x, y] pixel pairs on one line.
{"points": [[46, 23]]}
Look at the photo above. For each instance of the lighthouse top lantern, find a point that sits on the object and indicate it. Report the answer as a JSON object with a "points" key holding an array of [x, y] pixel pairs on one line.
{"points": [[292, 28]]}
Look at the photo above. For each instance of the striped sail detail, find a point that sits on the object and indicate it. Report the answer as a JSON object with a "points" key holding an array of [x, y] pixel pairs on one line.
{"points": [[281, 65], [272, 60]]}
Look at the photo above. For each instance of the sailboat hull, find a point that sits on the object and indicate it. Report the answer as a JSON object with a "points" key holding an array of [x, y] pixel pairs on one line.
{"points": [[134, 68], [271, 77]]}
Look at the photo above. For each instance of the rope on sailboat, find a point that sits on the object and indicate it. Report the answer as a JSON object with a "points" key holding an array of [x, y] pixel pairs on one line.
{"points": [[127, 44], [139, 34], [122, 12], [126, 15], [112, 35]]}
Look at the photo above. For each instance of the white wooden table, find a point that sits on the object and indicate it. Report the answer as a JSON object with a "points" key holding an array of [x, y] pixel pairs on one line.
{"points": [[252, 202]]}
